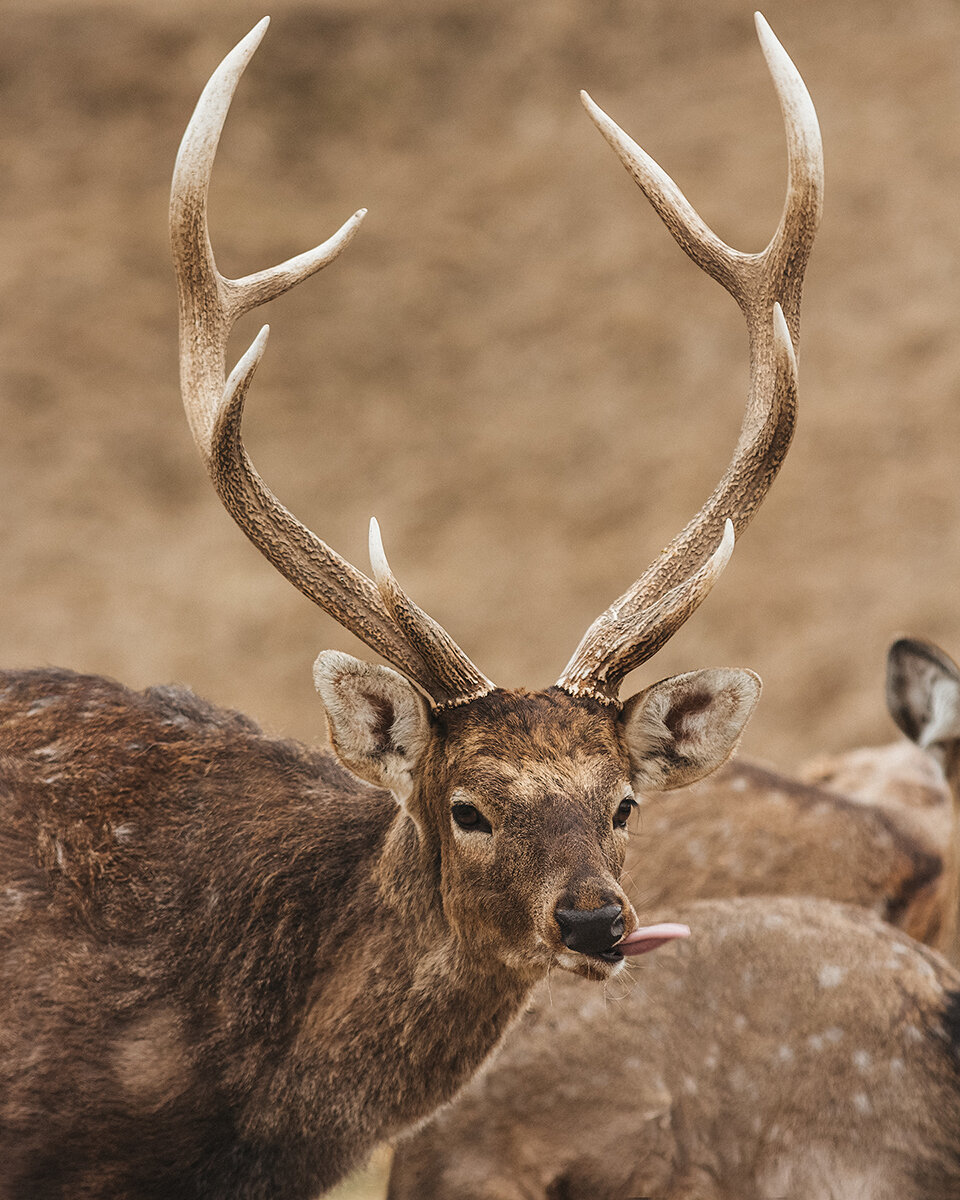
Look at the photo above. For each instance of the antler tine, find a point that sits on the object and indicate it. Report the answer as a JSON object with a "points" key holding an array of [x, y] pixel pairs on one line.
{"points": [[767, 287], [466, 682], [210, 304], [629, 633], [626, 644]]}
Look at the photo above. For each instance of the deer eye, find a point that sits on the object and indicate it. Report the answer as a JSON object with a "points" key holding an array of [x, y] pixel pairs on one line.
{"points": [[624, 809], [471, 819]]}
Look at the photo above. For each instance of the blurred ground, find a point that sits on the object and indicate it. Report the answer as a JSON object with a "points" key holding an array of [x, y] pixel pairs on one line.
{"points": [[513, 366]]}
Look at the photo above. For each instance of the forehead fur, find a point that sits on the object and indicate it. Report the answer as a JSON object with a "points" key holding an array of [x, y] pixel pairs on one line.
{"points": [[522, 732]]}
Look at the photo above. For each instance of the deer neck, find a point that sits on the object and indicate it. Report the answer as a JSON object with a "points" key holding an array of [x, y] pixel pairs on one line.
{"points": [[399, 1015], [431, 1008], [948, 939]]}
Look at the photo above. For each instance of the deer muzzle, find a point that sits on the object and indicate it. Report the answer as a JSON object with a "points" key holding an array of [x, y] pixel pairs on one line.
{"points": [[594, 931]]}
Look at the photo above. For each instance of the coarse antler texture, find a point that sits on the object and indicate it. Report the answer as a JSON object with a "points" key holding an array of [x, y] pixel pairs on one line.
{"points": [[210, 304], [767, 286]]}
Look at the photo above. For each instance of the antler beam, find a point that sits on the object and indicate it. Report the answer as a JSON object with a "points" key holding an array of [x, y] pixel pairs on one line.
{"points": [[767, 286], [210, 304]]}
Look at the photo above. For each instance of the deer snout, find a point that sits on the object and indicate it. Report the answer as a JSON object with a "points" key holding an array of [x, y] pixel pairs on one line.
{"points": [[591, 930]]}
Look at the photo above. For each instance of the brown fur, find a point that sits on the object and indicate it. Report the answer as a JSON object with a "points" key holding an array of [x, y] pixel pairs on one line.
{"points": [[898, 776]]}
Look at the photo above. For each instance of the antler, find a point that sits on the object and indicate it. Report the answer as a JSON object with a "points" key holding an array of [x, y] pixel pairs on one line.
{"points": [[210, 304], [767, 287]]}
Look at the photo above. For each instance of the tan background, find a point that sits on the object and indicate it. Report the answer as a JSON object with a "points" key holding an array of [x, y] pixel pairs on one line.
{"points": [[513, 366]]}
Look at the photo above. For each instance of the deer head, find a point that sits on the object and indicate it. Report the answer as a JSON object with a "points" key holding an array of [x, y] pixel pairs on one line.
{"points": [[521, 797]]}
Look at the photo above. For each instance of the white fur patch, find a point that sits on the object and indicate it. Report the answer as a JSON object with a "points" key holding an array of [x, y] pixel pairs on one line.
{"points": [[830, 976]]}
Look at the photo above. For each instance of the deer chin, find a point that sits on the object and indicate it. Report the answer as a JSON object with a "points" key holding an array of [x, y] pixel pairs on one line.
{"points": [[590, 966], [651, 937]]}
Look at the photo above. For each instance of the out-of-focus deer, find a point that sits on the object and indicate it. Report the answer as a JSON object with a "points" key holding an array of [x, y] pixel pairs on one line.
{"points": [[230, 965], [791, 1049], [753, 831], [877, 828]]}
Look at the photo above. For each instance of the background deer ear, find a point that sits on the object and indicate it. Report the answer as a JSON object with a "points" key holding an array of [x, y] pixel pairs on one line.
{"points": [[682, 728], [923, 693], [378, 720]]}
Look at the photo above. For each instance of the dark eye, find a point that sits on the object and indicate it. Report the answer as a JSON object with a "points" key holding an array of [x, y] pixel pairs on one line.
{"points": [[622, 815], [471, 819]]}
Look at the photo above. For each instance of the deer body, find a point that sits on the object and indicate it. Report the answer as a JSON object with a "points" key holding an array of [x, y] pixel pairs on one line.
{"points": [[188, 928], [899, 778], [749, 831], [792, 1049]]}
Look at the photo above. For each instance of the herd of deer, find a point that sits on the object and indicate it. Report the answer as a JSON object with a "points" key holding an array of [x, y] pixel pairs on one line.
{"points": [[231, 965]]}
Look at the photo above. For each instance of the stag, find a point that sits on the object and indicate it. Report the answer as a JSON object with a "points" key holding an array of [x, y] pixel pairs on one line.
{"points": [[231, 965]]}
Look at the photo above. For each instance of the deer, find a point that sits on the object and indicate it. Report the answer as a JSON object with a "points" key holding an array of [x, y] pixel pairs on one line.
{"points": [[792, 1048], [877, 827], [750, 830], [232, 964]]}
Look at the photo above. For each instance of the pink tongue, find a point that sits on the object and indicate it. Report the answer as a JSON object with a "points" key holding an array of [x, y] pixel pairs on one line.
{"points": [[649, 937]]}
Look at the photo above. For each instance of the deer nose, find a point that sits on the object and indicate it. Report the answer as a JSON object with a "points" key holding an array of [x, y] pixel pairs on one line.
{"points": [[590, 930]]}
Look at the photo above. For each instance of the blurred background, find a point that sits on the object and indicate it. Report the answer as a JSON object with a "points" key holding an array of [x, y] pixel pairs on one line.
{"points": [[513, 366]]}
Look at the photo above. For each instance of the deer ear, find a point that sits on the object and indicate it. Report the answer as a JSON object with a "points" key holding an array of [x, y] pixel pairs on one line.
{"points": [[683, 728], [923, 692], [378, 720]]}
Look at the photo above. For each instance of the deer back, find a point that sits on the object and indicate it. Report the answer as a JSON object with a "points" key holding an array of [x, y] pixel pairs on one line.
{"points": [[900, 778], [748, 830]]}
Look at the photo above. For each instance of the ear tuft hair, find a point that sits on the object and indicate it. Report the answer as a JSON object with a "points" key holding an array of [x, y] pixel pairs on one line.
{"points": [[378, 720], [923, 692], [682, 728]]}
